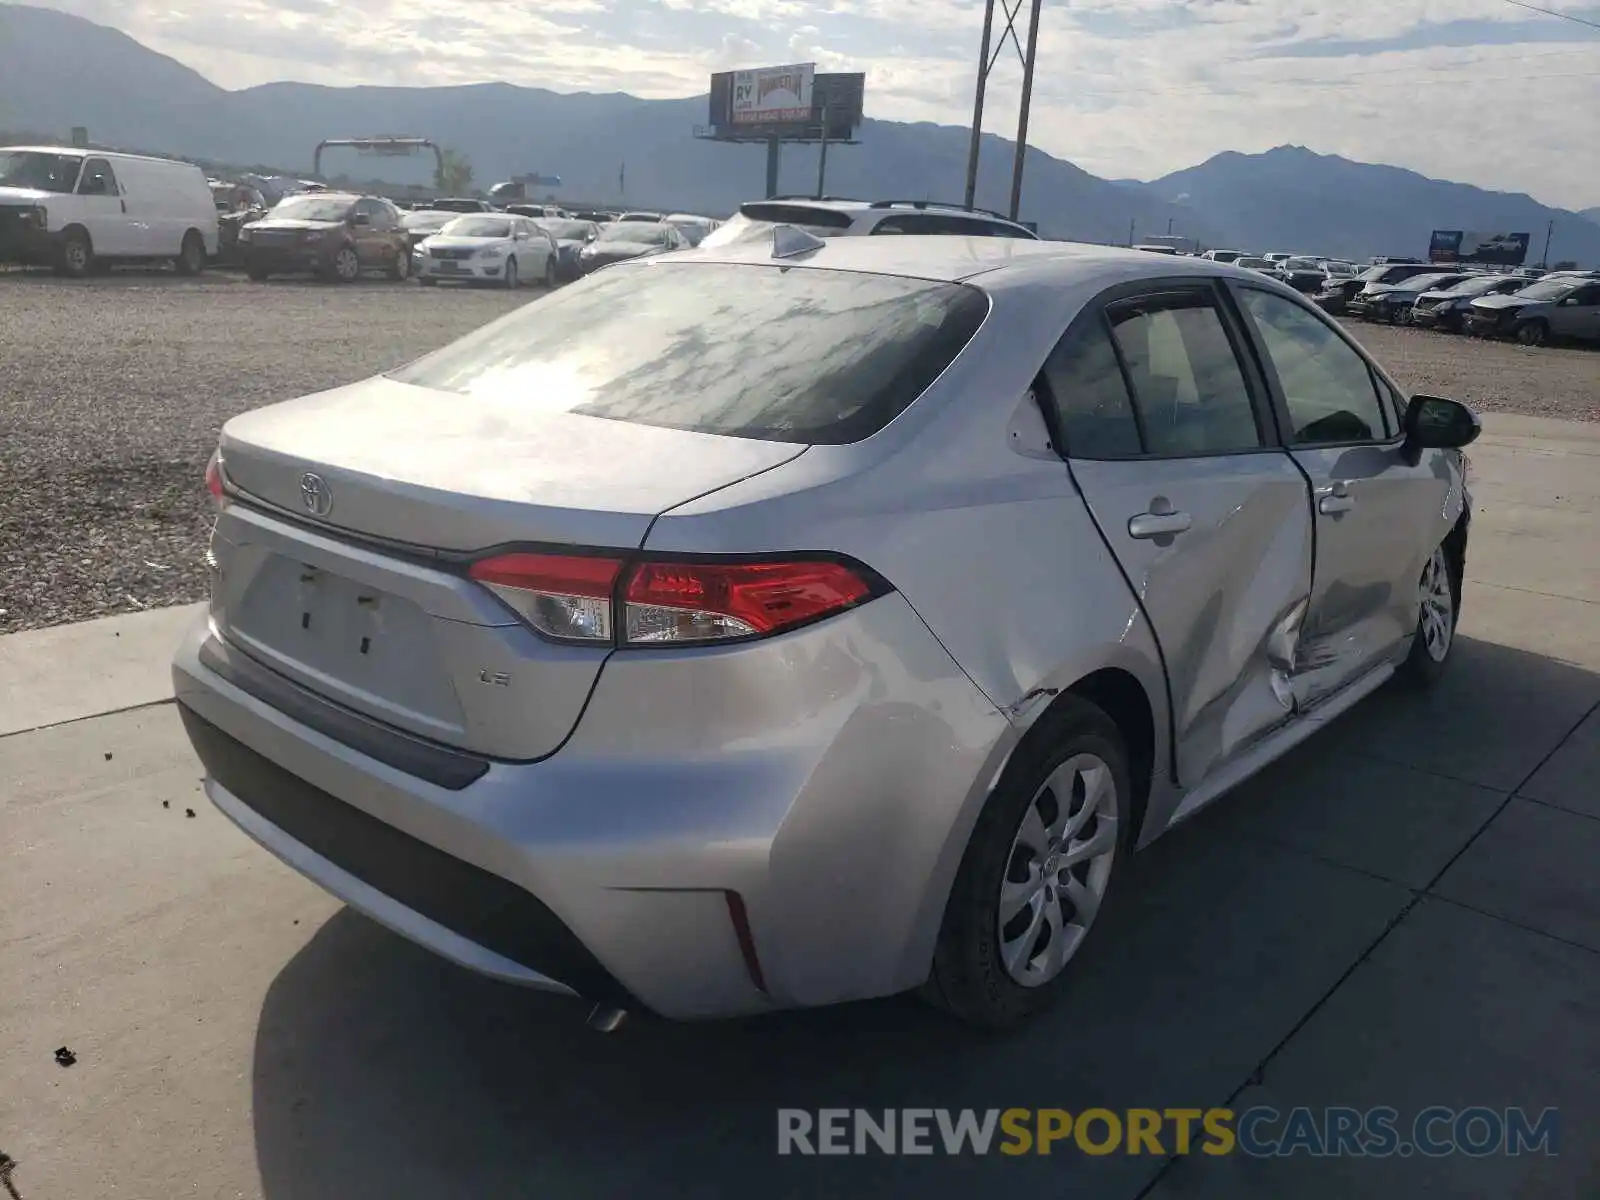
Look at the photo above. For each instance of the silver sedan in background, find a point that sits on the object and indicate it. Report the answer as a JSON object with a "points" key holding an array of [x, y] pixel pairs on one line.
{"points": [[807, 620]]}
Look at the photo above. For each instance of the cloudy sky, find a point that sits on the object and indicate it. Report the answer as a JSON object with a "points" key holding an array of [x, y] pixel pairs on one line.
{"points": [[1483, 91]]}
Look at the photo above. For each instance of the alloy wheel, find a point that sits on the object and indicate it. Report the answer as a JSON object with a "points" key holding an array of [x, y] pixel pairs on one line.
{"points": [[1058, 869], [346, 265], [1438, 606]]}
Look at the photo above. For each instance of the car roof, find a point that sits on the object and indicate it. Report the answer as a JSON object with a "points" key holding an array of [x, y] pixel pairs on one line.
{"points": [[953, 259], [92, 151]]}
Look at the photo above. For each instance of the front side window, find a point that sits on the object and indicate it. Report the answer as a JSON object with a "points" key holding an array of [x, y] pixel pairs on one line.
{"points": [[39, 170], [759, 351], [1186, 379], [1327, 386]]}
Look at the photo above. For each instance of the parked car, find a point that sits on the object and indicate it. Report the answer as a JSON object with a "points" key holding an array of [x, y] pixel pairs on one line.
{"points": [[1251, 262], [1302, 274], [1555, 307], [855, 218], [500, 248], [693, 228], [425, 222], [1338, 293], [1156, 248], [1444, 308], [644, 218], [571, 236], [76, 210], [1390, 303], [1276, 256], [595, 216], [1338, 269], [1224, 256], [237, 205], [538, 211], [334, 235], [636, 648], [628, 239], [460, 204]]}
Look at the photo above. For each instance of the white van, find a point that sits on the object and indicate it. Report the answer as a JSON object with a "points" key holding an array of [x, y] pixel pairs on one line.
{"points": [[72, 208]]}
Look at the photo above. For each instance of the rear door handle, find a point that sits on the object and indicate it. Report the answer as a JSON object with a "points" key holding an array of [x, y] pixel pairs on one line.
{"points": [[1153, 525], [1335, 498]]}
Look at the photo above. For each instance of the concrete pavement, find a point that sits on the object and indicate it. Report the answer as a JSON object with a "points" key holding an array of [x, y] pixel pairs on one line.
{"points": [[1403, 912]]}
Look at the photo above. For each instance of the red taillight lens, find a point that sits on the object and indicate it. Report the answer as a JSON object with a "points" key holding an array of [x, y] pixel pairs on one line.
{"points": [[214, 478], [677, 602], [566, 597], [570, 597]]}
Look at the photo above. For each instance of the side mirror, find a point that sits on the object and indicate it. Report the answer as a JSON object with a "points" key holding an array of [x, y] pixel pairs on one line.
{"points": [[1435, 423], [360, 219]]}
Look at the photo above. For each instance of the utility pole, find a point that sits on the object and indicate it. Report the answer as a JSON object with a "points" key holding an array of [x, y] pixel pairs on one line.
{"points": [[1130, 233], [987, 55], [1169, 226], [822, 157], [1549, 232], [774, 148]]}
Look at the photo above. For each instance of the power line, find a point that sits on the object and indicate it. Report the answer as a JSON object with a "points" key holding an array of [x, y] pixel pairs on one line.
{"points": [[1550, 12]]}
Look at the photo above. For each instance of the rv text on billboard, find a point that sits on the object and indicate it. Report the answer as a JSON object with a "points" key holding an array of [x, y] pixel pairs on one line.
{"points": [[1471, 246], [773, 94]]}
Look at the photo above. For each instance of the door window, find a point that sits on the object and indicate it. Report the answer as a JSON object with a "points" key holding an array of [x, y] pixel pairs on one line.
{"points": [[1090, 395], [376, 213], [1185, 377], [1327, 385], [98, 179]]}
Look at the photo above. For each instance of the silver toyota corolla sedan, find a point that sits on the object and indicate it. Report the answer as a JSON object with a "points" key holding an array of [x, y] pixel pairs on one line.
{"points": [[805, 621]]}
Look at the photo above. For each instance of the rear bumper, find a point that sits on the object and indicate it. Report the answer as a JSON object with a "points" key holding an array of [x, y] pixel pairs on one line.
{"points": [[819, 786]]}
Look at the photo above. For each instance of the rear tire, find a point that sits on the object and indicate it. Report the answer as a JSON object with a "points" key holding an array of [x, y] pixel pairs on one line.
{"points": [[511, 274], [1065, 797], [257, 274], [75, 256], [427, 281], [191, 258]]}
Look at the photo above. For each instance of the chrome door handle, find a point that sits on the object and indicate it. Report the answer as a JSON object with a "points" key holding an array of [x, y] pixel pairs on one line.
{"points": [[1335, 498], [1154, 525]]}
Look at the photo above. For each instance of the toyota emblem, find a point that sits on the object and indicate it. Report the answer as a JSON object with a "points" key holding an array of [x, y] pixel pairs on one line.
{"points": [[315, 494]]}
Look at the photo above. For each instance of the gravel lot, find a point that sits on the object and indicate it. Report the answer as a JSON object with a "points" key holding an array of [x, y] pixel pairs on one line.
{"points": [[112, 391]]}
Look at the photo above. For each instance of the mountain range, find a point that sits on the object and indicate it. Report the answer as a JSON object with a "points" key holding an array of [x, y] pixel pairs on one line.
{"points": [[619, 149]]}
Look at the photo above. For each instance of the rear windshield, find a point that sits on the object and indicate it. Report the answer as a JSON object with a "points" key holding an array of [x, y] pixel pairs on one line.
{"points": [[754, 221], [779, 353]]}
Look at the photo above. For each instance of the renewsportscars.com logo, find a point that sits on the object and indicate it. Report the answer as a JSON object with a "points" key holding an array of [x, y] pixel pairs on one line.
{"points": [[1260, 1132]]}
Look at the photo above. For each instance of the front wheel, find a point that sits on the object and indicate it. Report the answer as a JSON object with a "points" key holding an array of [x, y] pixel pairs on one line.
{"points": [[1439, 594], [1037, 870], [511, 273], [1533, 333], [75, 259], [400, 269], [550, 272], [344, 266]]}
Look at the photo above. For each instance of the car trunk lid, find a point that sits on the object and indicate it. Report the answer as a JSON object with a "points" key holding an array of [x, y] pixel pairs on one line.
{"points": [[341, 563]]}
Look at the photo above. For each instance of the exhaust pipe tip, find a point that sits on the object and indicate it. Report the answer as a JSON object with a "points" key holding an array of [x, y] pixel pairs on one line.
{"points": [[606, 1019]]}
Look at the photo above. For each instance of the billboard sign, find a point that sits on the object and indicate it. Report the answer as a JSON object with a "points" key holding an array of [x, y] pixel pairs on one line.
{"points": [[772, 94], [1472, 246]]}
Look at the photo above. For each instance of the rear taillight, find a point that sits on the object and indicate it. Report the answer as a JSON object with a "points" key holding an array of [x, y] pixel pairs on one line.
{"points": [[667, 602], [600, 600], [566, 597], [214, 483]]}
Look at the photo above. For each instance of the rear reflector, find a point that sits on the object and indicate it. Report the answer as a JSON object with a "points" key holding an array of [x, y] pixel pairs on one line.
{"points": [[575, 598], [565, 597], [710, 602]]}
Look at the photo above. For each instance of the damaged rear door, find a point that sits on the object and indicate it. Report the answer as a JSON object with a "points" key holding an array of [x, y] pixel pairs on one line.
{"points": [[1170, 441]]}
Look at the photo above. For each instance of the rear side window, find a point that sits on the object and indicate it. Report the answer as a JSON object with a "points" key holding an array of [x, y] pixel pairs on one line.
{"points": [[1091, 397], [1186, 378], [780, 353]]}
